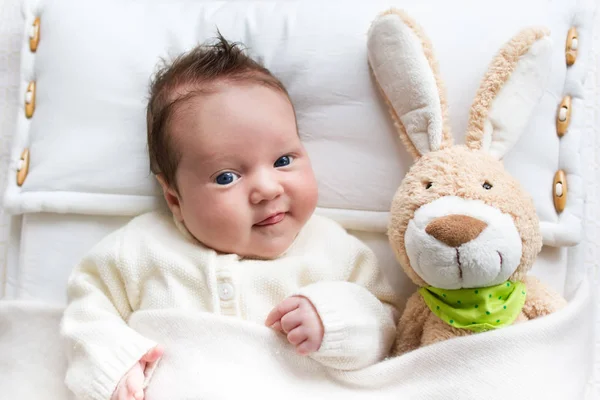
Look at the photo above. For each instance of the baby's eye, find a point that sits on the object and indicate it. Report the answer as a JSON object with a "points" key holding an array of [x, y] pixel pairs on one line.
{"points": [[283, 161], [226, 178]]}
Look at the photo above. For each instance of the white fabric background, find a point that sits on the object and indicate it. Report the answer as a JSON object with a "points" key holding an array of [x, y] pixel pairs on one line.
{"points": [[87, 141], [11, 31], [592, 208], [11, 26]]}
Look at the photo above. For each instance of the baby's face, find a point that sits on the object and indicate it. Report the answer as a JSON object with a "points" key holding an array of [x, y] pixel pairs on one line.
{"points": [[246, 185]]}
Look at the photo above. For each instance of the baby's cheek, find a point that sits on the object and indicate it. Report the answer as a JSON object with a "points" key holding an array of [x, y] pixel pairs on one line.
{"points": [[306, 202], [312, 195], [202, 215], [309, 188], [223, 215]]}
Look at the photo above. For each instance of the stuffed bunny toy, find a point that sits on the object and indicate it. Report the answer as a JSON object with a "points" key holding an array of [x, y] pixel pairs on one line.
{"points": [[462, 228]]}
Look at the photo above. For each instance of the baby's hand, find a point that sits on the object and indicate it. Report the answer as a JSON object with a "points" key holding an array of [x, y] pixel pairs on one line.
{"points": [[131, 386], [298, 318]]}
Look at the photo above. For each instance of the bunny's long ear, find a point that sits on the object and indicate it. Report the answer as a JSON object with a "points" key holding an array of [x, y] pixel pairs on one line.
{"points": [[402, 61], [509, 92]]}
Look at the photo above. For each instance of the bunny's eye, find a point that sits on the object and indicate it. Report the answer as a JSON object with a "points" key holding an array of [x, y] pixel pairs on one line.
{"points": [[428, 185], [486, 185]]}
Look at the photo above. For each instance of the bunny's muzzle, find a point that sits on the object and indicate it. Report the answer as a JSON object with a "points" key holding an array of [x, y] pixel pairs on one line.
{"points": [[455, 243]]}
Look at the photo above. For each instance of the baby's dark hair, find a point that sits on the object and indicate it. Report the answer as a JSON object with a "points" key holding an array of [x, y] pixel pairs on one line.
{"points": [[193, 73]]}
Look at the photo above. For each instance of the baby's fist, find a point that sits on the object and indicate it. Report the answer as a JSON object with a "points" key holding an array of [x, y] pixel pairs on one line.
{"points": [[131, 386], [298, 319]]}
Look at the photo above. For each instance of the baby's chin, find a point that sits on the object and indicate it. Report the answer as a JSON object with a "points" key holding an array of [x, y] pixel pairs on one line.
{"points": [[270, 242], [261, 247], [266, 242], [268, 247], [267, 251]]}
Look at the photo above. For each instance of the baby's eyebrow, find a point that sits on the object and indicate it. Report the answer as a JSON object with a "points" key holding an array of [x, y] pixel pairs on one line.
{"points": [[206, 155], [214, 159]]}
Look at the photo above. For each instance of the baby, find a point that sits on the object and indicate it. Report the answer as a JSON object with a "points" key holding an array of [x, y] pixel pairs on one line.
{"points": [[240, 240]]}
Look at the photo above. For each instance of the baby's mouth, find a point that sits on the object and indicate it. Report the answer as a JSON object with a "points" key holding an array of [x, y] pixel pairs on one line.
{"points": [[272, 219]]}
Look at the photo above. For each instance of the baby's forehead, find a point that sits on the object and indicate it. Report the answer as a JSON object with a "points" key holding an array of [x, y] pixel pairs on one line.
{"points": [[190, 90], [186, 100], [218, 114], [189, 100]]}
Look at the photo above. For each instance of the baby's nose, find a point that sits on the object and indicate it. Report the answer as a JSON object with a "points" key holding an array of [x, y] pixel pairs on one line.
{"points": [[455, 230], [266, 190]]}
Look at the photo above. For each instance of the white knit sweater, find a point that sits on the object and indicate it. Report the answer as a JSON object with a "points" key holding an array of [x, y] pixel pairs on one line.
{"points": [[152, 263]]}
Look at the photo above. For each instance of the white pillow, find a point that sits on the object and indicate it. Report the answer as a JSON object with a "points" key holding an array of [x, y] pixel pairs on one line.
{"points": [[87, 137]]}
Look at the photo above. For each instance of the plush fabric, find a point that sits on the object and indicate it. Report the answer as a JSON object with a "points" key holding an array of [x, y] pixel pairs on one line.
{"points": [[521, 67], [458, 219], [412, 62]]}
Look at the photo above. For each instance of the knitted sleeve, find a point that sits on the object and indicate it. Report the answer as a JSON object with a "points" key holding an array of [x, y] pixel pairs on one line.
{"points": [[358, 312], [101, 347]]}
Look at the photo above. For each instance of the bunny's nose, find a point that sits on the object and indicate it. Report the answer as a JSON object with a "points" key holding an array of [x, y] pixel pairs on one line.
{"points": [[455, 230]]}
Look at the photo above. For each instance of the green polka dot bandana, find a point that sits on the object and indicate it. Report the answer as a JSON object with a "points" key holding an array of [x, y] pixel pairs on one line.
{"points": [[478, 310]]}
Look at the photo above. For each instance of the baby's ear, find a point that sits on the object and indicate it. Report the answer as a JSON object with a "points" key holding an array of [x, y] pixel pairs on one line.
{"points": [[405, 70], [509, 92], [171, 197]]}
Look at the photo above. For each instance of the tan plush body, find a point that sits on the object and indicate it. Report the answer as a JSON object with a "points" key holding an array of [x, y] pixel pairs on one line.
{"points": [[418, 326], [458, 219]]}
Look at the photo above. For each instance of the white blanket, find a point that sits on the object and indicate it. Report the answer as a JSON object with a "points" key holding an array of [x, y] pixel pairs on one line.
{"points": [[210, 357]]}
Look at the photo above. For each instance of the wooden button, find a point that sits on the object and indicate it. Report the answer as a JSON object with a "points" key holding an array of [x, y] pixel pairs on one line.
{"points": [[560, 190], [30, 100], [571, 46], [34, 35], [563, 116], [23, 167]]}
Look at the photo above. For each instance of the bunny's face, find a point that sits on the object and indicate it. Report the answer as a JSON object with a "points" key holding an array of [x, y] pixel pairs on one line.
{"points": [[460, 221]]}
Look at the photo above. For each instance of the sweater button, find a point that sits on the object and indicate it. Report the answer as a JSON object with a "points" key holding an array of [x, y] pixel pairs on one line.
{"points": [[225, 291]]}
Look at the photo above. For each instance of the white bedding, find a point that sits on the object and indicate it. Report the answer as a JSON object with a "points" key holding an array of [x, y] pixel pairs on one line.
{"points": [[39, 250], [217, 357]]}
